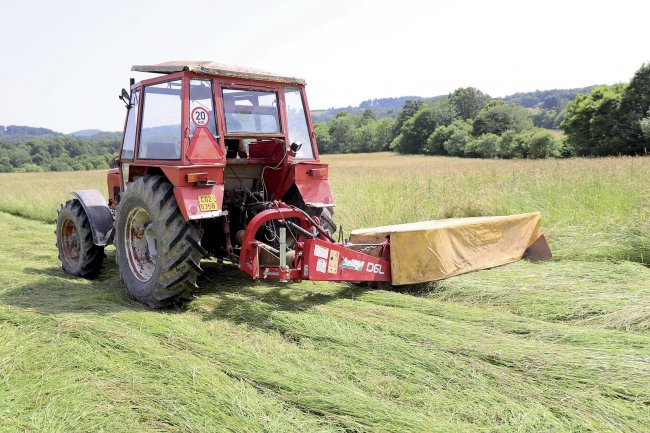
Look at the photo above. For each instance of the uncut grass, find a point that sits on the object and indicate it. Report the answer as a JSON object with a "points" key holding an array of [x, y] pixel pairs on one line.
{"points": [[79, 356], [39, 195], [591, 208]]}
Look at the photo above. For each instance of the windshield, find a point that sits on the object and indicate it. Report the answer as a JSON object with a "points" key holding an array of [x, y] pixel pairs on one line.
{"points": [[251, 111]]}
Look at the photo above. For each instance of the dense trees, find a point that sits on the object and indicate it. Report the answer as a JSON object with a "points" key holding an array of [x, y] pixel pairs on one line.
{"points": [[347, 133], [497, 117], [591, 120], [465, 123], [611, 120], [644, 124], [597, 121], [548, 106], [415, 131], [19, 152]]}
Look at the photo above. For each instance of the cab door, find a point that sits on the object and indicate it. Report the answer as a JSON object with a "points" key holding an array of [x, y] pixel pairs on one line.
{"points": [[127, 151]]}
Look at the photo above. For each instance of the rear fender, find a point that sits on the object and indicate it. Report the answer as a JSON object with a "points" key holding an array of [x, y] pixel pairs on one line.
{"points": [[191, 198], [113, 181], [99, 215], [313, 184]]}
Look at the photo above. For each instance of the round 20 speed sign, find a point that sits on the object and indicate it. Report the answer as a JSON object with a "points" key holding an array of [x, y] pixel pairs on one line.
{"points": [[200, 116]]}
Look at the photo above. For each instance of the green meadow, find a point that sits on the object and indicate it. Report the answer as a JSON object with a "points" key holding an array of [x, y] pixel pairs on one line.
{"points": [[560, 346]]}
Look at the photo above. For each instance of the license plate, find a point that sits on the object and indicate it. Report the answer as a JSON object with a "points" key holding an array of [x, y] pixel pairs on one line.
{"points": [[207, 202]]}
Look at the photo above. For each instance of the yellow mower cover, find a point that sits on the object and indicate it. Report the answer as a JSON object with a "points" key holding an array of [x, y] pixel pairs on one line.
{"points": [[433, 250]]}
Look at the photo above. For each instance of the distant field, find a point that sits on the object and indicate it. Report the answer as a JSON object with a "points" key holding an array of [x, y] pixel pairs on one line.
{"points": [[553, 347], [39, 195]]}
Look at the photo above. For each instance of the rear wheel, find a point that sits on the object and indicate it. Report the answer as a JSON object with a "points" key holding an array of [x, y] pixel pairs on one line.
{"points": [[324, 214], [157, 251], [326, 217], [74, 239]]}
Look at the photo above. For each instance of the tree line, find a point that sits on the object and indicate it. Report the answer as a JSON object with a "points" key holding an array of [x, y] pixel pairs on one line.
{"points": [[465, 123], [611, 120], [30, 153], [604, 120]]}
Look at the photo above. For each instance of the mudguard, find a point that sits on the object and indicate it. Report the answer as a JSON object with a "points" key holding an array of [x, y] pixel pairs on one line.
{"points": [[99, 215], [312, 182]]}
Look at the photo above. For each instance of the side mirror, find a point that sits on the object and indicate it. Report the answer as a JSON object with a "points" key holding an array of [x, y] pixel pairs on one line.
{"points": [[295, 146], [126, 98]]}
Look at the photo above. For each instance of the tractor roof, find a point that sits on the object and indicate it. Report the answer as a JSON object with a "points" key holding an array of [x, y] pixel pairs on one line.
{"points": [[216, 69]]}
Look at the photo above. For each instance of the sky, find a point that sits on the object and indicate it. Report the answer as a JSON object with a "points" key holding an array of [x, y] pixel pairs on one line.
{"points": [[63, 63]]}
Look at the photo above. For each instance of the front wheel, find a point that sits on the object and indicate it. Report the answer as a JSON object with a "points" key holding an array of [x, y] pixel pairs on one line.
{"points": [[74, 239], [157, 251]]}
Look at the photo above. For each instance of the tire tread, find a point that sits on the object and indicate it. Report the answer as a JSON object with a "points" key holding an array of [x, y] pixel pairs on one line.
{"points": [[179, 244]]}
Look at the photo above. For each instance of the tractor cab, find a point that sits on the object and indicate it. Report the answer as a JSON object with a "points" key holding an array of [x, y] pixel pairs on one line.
{"points": [[235, 106], [234, 129]]}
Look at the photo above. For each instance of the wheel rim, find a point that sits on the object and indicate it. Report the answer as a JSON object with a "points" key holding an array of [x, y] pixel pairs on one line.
{"points": [[141, 244], [69, 240]]}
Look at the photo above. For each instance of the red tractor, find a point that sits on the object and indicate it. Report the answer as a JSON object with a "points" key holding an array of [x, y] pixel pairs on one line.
{"points": [[222, 162], [215, 162]]}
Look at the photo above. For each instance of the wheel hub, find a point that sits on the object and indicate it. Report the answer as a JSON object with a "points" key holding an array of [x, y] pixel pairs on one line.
{"points": [[70, 242], [141, 244]]}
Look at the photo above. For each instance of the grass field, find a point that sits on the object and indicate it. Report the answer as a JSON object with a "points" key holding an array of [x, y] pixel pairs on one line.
{"points": [[552, 347]]}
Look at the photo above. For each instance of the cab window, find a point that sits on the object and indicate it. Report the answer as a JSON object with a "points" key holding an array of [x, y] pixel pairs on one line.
{"points": [[202, 106], [129, 129], [251, 111], [297, 123], [160, 136]]}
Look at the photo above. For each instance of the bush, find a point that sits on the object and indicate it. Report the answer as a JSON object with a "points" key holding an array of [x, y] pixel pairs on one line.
{"points": [[435, 144], [29, 168], [484, 146], [505, 144], [534, 143], [416, 130], [497, 118], [460, 133]]}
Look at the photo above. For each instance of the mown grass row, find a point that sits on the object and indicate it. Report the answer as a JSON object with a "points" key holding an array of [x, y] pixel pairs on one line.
{"points": [[477, 354]]}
